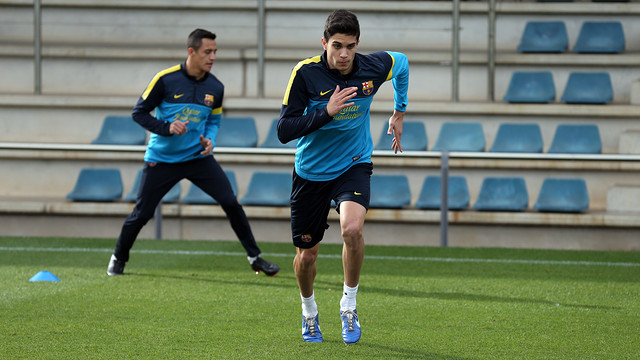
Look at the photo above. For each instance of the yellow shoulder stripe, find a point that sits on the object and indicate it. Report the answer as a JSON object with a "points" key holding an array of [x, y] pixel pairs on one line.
{"points": [[315, 59], [393, 62], [156, 78]]}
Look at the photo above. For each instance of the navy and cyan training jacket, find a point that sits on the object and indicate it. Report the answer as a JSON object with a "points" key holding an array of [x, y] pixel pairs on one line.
{"points": [[176, 95], [329, 146]]}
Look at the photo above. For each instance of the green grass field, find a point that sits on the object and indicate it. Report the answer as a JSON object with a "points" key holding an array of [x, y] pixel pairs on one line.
{"points": [[200, 300]]}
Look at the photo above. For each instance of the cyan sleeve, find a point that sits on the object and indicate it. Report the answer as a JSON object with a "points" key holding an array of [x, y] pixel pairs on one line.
{"points": [[400, 80]]}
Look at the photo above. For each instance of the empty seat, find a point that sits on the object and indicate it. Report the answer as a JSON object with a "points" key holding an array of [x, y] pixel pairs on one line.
{"points": [[588, 88], [272, 138], [522, 138], [103, 185], [195, 195], [563, 195], [172, 196], [531, 87], [268, 189], [576, 139], [414, 137], [431, 195], [502, 194], [389, 191], [600, 37], [460, 137], [237, 132], [544, 37], [121, 130]]}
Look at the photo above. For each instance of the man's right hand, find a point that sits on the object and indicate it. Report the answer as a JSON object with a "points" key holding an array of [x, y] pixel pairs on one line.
{"points": [[178, 127], [338, 101]]}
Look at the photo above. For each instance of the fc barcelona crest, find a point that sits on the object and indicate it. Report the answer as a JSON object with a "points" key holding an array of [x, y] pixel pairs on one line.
{"points": [[208, 100], [367, 87]]}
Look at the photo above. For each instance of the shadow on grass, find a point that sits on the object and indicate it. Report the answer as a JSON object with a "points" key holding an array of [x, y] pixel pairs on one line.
{"points": [[320, 284]]}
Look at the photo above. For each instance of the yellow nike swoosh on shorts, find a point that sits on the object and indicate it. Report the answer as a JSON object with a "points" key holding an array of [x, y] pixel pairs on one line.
{"points": [[178, 96], [357, 193], [323, 93]]}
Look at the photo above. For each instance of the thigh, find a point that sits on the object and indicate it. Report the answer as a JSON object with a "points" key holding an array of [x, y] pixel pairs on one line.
{"points": [[310, 204], [156, 181], [354, 185]]}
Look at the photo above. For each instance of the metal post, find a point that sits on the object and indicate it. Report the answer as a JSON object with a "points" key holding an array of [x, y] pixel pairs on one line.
{"points": [[37, 34], [492, 51], [261, 40], [444, 198], [157, 217], [455, 44]]}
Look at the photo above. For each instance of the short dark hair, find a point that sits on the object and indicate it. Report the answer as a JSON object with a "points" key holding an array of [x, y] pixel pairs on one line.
{"points": [[195, 38], [342, 22]]}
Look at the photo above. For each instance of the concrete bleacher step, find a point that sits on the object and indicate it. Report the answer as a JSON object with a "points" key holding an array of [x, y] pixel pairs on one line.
{"points": [[623, 198]]}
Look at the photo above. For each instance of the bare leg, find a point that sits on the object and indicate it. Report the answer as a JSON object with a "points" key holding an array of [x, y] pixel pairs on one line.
{"points": [[352, 217], [304, 265]]}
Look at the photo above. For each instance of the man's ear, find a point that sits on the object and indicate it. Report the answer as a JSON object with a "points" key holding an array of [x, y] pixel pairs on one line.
{"points": [[190, 51], [324, 43]]}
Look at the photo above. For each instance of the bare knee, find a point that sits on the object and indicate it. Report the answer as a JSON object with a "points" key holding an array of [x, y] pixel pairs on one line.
{"points": [[351, 233], [306, 258]]}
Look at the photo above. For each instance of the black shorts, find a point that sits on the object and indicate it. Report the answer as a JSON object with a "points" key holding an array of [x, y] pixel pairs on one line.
{"points": [[311, 201]]}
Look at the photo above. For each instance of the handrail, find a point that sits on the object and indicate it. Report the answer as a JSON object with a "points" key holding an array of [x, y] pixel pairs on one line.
{"points": [[376, 153]]}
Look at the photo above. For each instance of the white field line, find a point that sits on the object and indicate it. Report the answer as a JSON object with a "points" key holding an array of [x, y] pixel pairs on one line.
{"points": [[338, 256]]}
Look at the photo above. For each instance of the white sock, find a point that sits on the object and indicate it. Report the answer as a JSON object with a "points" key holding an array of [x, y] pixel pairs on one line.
{"points": [[252, 259], [348, 301], [309, 306]]}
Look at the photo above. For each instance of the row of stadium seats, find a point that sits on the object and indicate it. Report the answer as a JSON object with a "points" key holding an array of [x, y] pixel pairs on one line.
{"points": [[387, 191], [594, 37], [458, 136], [539, 87]]}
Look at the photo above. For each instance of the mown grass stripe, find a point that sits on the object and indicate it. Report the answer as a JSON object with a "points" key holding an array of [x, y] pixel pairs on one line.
{"points": [[337, 256]]}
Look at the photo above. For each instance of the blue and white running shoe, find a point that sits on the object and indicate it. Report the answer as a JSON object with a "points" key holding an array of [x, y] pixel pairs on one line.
{"points": [[350, 326], [311, 329]]}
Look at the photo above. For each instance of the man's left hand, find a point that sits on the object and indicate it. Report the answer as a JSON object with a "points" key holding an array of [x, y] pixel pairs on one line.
{"points": [[395, 129], [207, 144]]}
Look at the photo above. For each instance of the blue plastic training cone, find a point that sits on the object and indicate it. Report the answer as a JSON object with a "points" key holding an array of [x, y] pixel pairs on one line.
{"points": [[44, 276]]}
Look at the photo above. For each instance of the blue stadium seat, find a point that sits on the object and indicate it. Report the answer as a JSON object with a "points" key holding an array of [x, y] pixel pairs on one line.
{"points": [[588, 88], [521, 138], [195, 195], [268, 189], [389, 191], [531, 87], [172, 196], [563, 195], [600, 37], [121, 130], [502, 194], [272, 138], [544, 37], [457, 193], [237, 132], [414, 137], [466, 136], [576, 139], [103, 185]]}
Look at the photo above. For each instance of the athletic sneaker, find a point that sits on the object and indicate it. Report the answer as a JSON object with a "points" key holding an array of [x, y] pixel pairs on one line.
{"points": [[311, 329], [266, 267], [116, 267], [350, 326]]}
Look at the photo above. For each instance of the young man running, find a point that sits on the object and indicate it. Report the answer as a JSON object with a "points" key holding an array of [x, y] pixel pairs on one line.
{"points": [[187, 100], [326, 107]]}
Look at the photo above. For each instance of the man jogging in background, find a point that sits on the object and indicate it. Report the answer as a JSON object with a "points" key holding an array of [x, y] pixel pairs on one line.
{"points": [[187, 100]]}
